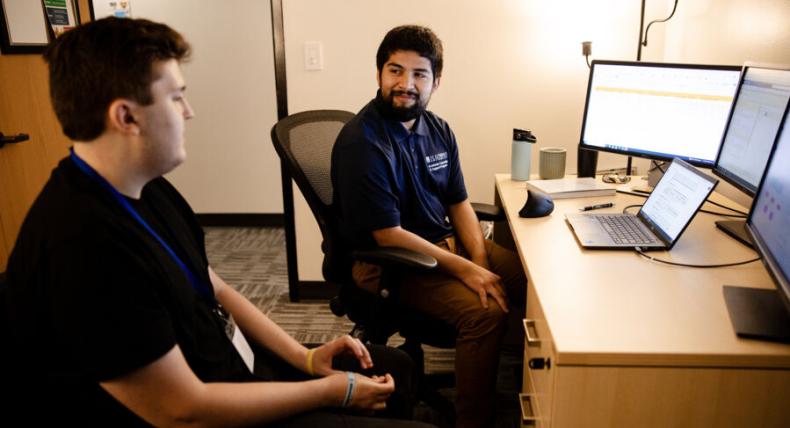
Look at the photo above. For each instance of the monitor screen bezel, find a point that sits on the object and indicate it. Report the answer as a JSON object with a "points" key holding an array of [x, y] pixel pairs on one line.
{"points": [[730, 177], [696, 162], [782, 283]]}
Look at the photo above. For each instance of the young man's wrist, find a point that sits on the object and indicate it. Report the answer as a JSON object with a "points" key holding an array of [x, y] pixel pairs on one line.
{"points": [[333, 389]]}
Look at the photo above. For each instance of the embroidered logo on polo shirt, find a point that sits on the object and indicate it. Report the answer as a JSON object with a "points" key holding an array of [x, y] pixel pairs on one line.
{"points": [[437, 161]]}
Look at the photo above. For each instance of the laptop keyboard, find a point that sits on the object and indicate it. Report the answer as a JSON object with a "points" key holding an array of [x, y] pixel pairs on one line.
{"points": [[624, 229]]}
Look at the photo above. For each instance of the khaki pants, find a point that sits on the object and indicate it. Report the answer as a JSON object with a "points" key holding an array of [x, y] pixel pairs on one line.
{"points": [[480, 330]]}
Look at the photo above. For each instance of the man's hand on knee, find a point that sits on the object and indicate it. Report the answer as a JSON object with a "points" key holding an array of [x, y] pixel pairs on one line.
{"points": [[485, 283]]}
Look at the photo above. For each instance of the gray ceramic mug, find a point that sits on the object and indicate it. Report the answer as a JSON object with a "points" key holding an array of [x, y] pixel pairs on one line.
{"points": [[552, 163]]}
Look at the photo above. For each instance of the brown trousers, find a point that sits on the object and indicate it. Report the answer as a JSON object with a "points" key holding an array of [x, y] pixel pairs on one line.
{"points": [[480, 330]]}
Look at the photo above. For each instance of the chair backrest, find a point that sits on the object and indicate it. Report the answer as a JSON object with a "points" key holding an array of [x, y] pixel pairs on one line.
{"points": [[304, 143]]}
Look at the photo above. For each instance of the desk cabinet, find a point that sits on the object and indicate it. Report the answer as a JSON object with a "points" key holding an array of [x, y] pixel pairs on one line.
{"points": [[559, 396], [615, 340]]}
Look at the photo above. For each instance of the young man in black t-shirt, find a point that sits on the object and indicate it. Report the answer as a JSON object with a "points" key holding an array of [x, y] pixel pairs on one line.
{"points": [[118, 318]]}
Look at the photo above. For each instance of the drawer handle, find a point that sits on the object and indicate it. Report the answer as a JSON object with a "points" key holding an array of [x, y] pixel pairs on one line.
{"points": [[540, 363], [530, 340], [526, 403]]}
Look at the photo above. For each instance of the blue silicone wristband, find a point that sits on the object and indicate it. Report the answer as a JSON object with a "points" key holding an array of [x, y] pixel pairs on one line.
{"points": [[349, 390]]}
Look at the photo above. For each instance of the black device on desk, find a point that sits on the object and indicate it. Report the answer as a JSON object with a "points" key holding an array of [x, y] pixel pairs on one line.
{"points": [[658, 111], [761, 313], [538, 204], [754, 120]]}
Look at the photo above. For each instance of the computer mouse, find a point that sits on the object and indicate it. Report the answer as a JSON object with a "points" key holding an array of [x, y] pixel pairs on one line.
{"points": [[538, 204]]}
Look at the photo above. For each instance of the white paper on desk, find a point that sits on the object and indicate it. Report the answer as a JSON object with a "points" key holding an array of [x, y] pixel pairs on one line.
{"points": [[572, 187]]}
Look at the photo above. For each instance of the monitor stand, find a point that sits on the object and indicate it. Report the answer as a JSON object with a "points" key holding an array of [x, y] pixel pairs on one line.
{"points": [[654, 174], [736, 229], [757, 313]]}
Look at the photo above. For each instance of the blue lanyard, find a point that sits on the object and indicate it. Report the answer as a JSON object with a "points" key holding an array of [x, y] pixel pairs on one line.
{"points": [[199, 286]]}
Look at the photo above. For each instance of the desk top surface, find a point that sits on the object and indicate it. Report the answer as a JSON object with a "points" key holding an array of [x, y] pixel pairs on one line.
{"points": [[611, 307]]}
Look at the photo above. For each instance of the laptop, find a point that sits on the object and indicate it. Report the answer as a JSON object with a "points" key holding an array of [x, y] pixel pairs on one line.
{"points": [[666, 213]]}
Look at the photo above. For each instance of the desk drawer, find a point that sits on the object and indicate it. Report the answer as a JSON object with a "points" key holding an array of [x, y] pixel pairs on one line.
{"points": [[539, 358]]}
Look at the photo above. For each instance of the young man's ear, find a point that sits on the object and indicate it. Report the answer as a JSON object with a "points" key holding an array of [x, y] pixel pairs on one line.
{"points": [[436, 82], [120, 117]]}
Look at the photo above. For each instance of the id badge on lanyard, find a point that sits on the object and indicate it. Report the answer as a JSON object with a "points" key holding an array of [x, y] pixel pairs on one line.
{"points": [[233, 333]]}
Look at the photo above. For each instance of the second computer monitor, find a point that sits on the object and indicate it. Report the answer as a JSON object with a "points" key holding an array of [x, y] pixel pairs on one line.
{"points": [[760, 102], [658, 110]]}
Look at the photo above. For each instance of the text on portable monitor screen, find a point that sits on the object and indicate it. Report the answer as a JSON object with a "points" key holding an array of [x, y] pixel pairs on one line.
{"points": [[659, 111]]}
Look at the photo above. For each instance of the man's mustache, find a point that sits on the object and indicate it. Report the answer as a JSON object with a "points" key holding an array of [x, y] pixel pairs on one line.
{"points": [[412, 94]]}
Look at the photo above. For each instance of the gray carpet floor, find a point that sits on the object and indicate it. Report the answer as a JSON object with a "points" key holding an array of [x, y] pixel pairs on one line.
{"points": [[253, 261]]}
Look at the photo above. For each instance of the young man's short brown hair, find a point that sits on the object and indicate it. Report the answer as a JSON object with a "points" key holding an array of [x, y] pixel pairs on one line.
{"points": [[412, 38], [101, 61]]}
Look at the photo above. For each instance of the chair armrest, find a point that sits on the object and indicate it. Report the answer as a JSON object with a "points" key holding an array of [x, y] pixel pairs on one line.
{"points": [[396, 257], [488, 212]]}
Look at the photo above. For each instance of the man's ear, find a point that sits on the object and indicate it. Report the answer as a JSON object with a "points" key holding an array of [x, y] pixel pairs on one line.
{"points": [[378, 77], [436, 82], [120, 116]]}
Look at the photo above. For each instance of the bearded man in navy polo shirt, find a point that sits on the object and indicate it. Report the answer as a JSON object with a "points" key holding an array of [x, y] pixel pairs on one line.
{"points": [[398, 182]]}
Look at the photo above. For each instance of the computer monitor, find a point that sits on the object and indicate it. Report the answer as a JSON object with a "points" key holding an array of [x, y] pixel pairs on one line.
{"points": [[762, 313], [760, 102], [658, 111]]}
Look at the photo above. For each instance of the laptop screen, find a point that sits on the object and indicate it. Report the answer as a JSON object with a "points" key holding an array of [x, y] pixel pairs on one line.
{"points": [[675, 200]]}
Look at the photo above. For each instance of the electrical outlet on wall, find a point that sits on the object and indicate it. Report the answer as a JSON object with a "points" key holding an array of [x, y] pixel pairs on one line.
{"points": [[313, 56]]}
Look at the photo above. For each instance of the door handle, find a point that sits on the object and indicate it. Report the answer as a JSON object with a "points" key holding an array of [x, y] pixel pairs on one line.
{"points": [[10, 139]]}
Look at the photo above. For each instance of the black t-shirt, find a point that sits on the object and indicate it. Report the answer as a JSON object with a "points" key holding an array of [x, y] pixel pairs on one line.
{"points": [[93, 296]]}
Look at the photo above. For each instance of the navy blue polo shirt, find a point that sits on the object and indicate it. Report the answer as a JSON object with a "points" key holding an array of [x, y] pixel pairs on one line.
{"points": [[384, 175]]}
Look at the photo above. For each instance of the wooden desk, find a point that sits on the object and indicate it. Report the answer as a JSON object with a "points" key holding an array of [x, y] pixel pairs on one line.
{"points": [[627, 342]]}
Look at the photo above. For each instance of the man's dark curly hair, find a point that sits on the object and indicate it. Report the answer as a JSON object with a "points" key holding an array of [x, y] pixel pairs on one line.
{"points": [[412, 38], [94, 64]]}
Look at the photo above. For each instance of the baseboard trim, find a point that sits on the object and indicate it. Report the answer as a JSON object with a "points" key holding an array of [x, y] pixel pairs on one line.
{"points": [[241, 220], [317, 290]]}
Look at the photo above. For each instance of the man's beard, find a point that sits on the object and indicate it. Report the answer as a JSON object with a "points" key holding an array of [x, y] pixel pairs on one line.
{"points": [[401, 114]]}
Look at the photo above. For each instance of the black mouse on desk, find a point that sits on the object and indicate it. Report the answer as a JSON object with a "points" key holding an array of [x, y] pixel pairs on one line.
{"points": [[538, 204]]}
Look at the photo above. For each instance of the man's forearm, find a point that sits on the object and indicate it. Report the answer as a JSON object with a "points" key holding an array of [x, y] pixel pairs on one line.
{"points": [[257, 327], [467, 228]]}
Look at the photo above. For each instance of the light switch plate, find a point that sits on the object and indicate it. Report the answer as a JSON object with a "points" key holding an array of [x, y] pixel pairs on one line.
{"points": [[313, 56]]}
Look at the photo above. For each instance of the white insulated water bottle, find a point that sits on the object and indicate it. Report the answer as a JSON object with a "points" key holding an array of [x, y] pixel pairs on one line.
{"points": [[521, 154]]}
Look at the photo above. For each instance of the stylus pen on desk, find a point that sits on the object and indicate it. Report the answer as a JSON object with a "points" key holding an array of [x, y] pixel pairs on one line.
{"points": [[597, 207]]}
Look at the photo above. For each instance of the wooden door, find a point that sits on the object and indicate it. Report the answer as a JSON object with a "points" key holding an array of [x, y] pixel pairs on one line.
{"points": [[25, 167]]}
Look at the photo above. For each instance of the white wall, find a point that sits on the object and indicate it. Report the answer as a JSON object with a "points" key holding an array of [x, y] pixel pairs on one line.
{"points": [[231, 165]]}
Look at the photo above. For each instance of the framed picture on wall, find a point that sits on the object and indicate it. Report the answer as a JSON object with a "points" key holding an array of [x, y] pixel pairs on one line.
{"points": [[63, 15], [27, 26], [23, 27], [104, 8]]}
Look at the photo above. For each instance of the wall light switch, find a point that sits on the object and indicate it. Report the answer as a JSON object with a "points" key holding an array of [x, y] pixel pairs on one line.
{"points": [[313, 56]]}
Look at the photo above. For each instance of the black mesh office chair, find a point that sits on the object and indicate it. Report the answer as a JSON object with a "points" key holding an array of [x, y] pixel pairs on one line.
{"points": [[304, 142]]}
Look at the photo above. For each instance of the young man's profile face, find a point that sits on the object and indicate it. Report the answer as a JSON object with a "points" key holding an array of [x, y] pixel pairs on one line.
{"points": [[406, 81], [162, 122]]}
